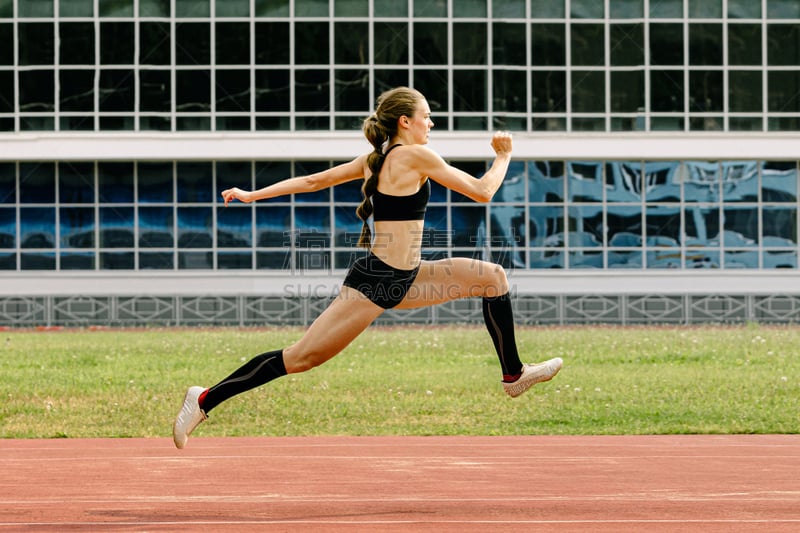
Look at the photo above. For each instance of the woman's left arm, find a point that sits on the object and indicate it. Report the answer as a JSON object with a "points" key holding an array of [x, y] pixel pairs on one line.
{"points": [[342, 173]]}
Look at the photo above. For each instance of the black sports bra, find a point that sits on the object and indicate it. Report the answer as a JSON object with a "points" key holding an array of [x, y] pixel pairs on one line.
{"points": [[409, 207]]}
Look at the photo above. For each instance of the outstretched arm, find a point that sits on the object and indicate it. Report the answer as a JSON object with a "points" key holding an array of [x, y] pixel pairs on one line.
{"points": [[349, 171], [479, 189]]}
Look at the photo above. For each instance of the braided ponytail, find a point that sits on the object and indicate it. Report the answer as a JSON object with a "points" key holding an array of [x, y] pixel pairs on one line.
{"points": [[378, 129]]}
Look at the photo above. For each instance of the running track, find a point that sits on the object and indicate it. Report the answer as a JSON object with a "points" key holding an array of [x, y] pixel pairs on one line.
{"points": [[464, 484]]}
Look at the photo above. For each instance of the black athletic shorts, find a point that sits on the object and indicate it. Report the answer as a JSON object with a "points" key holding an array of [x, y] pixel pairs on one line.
{"points": [[384, 285]]}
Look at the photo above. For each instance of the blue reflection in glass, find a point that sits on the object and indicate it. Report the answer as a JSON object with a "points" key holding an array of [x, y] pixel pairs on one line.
{"points": [[8, 228], [740, 181], [779, 181], [667, 258], [513, 187], [195, 260], [662, 181], [76, 225], [435, 232], [37, 183], [585, 181], [116, 227], [234, 226], [274, 260], [439, 194], [780, 258], [702, 181], [76, 183], [195, 182], [8, 186], [507, 230], [8, 261], [234, 260], [625, 181], [115, 182], [779, 226], [37, 227], [347, 226], [545, 226], [273, 224], [546, 258], [663, 225], [624, 225], [468, 224], [585, 259], [586, 226], [155, 182], [195, 227], [546, 181], [701, 224], [349, 191], [155, 228], [313, 227], [741, 226]]}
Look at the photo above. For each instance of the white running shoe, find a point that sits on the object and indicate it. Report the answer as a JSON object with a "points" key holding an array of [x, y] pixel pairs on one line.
{"points": [[533, 374], [189, 417]]}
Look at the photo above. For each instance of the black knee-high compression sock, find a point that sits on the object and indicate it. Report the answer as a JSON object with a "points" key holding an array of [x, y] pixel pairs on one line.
{"points": [[256, 372], [499, 318]]}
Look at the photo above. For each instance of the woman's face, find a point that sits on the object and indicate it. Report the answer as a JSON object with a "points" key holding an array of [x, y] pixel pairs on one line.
{"points": [[420, 124]]}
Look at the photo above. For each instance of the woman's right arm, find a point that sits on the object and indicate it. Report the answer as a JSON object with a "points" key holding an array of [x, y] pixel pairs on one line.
{"points": [[479, 189], [349, 171]]}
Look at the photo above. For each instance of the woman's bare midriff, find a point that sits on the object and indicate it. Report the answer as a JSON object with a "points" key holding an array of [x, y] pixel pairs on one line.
{"points": [[398, 242]]}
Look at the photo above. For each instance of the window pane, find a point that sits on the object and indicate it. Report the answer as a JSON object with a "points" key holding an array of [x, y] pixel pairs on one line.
{"points": [[272, 8], [627, 44], [115, 182], [666, 90], [35, 8], [195, 227], [116, 227], [744, 94], [37, 183], [76, 43], [783, 9], [588, 44], [6, 45], [585, 182], [705, 44], [272, 226], [744, 9], [77, 90], [272, 90], [627, 91], [232, 43], [312, 8], [116, 43], [509, 47], [548, 45], [705, 9], [705, 91], [195, 182], [234, 226], [8, 228], [192, 43], [509, 93], [154, 45], [233, 8], [116, 90], [233, 90], [666, 44], [8, 183], [351, 43], [779, 181], [36, 43], [352, 91], [549, 91], [626, 9], [784, 91], [350, 8], [154, 8], [193, 91], [155, 90], [37, 227], [192, 8], [76, 183], [155, 182], [115, 8], [311, 43], [588, 92], [76, 227], [155, 227], [587, 9], [433, 84], [75, 8], [430, 43], [272, 43], [586, 226], [392, 47], [744, 44], [469, 44], [312, 90], [783, 44], [471, 90]]}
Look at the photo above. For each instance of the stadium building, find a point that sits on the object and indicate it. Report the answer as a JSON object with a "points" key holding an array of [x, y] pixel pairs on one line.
{"points": [[655, 176]]}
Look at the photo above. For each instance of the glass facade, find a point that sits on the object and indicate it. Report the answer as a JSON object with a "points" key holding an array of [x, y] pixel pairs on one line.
{"points": [[523, 65], [547, 215]]}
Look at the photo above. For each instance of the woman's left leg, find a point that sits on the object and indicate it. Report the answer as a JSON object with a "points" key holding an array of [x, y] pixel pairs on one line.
{"points": [[449, 279]]}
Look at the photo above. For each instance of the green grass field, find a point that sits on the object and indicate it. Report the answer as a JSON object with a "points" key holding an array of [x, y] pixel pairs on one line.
{"points": [[407, 381]]}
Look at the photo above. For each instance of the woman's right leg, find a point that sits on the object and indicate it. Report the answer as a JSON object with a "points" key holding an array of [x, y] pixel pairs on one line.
{"points": [[349, 314]]}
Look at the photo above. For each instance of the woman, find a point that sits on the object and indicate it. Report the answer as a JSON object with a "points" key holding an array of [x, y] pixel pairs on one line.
{"points": [[396, 191]]}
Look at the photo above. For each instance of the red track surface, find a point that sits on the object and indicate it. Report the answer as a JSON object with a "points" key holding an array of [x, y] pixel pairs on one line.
{"points": [[464, 484]]}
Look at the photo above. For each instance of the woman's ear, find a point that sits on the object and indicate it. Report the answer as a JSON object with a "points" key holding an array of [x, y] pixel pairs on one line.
{"points": [[403, 121]]}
